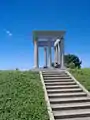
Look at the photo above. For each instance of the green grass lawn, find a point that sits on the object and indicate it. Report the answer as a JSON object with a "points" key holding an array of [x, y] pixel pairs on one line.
{"points": [[21, 96], [83, 76]]}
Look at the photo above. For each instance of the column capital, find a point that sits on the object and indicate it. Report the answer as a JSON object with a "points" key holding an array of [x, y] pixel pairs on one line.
{"points": [[56, 42], [35, 39]]}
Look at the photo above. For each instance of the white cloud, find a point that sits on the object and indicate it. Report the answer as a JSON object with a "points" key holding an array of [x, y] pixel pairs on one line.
{"points": [[8, 32]]}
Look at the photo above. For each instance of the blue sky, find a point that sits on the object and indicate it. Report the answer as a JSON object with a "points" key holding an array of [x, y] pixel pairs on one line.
{"points": [[18, 18]]}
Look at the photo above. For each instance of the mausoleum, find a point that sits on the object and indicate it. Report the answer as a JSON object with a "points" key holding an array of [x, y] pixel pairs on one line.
{"points": [[48, 40]]}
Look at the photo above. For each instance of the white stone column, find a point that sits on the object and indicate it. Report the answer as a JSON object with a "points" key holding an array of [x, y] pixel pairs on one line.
{"points": [[58, 52], [36, 54], [55, 59], [49, 56], [45, 55], [62, 53]]}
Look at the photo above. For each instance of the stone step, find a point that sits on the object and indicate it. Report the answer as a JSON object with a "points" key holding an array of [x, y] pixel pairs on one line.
{"points": [[81, 118], [60, 83], [62, 87], [56, 75], [56, 78], [66, 95], [69, 100], [54, 81], [71, 114], [70, 106], [65, 90], [53, 72]]}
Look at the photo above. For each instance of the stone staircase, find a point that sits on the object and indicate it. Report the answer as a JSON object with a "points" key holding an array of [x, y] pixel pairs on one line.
{"points": [[67, 99]]}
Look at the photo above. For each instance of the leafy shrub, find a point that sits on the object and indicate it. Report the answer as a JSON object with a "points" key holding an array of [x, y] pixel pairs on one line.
{"points": [[71, 65]]}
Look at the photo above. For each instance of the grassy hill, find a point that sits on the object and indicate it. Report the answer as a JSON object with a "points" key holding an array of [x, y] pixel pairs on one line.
{"points": [[21, 96], [83, 76]]}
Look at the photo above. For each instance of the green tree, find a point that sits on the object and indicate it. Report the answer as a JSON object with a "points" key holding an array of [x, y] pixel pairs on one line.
{"points": [[72, 60]]}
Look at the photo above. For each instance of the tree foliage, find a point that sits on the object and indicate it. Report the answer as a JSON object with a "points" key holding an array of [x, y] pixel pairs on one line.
{"points": [[72, 61]]}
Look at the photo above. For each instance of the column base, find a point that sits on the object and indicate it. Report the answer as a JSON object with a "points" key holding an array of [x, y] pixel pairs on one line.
{"points": [[63, 67], [35, 67]]}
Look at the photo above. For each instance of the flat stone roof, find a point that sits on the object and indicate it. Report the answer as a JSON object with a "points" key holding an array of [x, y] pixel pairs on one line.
{"points": [[45, 34]]}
